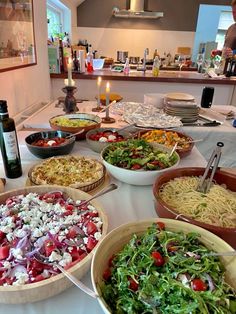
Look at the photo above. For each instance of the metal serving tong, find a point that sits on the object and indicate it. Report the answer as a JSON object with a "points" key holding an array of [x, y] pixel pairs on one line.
{"points": [[205, 183]]}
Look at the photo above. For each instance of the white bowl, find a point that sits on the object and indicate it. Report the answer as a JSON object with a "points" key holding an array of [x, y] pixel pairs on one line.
{"points": [[117, 238], [137, 177]]}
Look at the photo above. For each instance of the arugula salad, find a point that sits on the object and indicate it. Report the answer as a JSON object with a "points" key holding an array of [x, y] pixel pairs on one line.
{"points": [[166, 272], [138, 154]]}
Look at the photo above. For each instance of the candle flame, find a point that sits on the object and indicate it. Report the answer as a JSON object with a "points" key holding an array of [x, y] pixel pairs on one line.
{"points": [[108, 87]]}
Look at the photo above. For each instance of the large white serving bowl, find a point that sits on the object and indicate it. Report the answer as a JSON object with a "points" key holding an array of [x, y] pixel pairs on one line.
{"points": [[47, 288], [117, 238], [137, 177]]}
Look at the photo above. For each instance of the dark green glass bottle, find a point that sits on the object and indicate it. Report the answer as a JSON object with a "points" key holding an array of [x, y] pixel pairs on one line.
{"points": [[9, 144]]}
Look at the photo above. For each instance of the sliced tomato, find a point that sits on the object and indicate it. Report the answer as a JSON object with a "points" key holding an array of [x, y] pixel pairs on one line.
{"points": [[37, 266], [91, 243], [158, 258], [69, 207], [92, 214], [2, 281], [2, 235], [4, 252], [9, 281], [74, 253], [80, 258], [72, 233], [133, 285], [107, 274], [91, 228], [49, 246], [38, 278], [198, 285]]}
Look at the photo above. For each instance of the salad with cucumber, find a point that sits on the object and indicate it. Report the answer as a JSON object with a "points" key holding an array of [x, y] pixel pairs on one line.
{"points": [[166, 272], [138, 155]]}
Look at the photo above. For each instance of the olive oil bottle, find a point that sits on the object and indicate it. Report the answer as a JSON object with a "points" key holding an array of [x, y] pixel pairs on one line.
{"points": [[9, 144]]}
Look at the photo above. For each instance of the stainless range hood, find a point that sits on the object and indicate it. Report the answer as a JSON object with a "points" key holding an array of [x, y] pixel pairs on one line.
{"points": [[137, 11]]}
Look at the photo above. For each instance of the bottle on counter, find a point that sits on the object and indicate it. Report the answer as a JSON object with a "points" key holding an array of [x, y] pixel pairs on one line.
{"points": [[156, 54], [90, 59], [75, 62], [9, 144], [156, 66], [126, 67]]}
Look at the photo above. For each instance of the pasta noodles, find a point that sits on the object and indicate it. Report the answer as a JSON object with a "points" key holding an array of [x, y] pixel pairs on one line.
{"points": [[217, 207]]}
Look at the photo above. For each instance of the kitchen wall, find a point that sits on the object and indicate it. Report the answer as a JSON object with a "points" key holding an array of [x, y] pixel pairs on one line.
{"points": [[24, 87], [108, 34]]}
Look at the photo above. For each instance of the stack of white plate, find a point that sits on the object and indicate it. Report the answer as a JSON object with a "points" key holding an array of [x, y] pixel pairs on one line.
{"points": [[182, 105]]}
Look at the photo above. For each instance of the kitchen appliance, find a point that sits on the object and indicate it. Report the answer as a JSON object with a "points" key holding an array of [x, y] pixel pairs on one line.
{"points": [[122, 55], [136, 10], [134, 60]]}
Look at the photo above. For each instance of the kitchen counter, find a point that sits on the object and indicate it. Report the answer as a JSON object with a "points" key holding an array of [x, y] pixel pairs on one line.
{"points": [[164, 76], [132, 87]]}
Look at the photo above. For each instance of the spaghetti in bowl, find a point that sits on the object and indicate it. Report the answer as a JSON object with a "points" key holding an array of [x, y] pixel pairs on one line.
{"points": [[176, 197]]}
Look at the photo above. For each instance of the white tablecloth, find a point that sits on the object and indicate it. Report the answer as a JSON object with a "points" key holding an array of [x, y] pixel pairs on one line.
{"points": [[225, 133], [128, 203]]}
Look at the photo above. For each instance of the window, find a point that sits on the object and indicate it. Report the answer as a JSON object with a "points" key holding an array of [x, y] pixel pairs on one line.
{"points": [[226, 19], [55, 20], [59, 18]]}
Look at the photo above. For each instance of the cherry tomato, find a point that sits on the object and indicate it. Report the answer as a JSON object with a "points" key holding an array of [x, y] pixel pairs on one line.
{"points": [[198, 285], [133, 284], [107, 274], [161, 225], [158, 258], [136, 167]]}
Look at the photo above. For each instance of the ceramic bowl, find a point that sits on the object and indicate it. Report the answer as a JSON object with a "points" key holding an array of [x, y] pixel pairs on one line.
{"points": [[96, 123], [117, 238], [47, 288], [166, 211], [49, 151], [183, 152], [137, 177], [98, 146]]}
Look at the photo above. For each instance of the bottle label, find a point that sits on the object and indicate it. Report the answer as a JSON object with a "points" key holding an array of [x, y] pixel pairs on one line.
{"points": [[10, 145]]}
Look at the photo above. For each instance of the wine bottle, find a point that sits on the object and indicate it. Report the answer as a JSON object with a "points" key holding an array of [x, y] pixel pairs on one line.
{"points": [[9, 144]]}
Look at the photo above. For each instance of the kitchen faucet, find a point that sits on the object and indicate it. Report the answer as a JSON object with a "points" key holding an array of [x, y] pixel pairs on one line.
{"points": [[143, 67]]}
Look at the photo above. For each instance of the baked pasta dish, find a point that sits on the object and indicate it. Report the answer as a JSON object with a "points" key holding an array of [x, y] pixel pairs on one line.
{"points": [[73, 171]]}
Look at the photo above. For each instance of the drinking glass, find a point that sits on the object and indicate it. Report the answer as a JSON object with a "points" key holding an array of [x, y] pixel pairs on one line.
{"points": [[199, 60]]}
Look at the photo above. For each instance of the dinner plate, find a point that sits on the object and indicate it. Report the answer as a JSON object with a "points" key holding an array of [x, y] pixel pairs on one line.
{"points": [[179, 96]]}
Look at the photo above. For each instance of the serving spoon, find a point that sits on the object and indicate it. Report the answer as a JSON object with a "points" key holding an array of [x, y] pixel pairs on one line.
{"points": [[45, 260]]}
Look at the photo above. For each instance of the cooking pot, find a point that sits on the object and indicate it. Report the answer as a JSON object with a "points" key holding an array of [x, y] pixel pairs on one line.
{"points": [[122, 55], [134, 60]]}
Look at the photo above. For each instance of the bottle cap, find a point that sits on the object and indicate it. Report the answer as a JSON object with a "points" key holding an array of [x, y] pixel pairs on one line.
{"points": [[3, 106]]}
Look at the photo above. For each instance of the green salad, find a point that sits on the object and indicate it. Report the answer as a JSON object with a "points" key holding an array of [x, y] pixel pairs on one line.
{"points": [[138, 154], [166, 272]]}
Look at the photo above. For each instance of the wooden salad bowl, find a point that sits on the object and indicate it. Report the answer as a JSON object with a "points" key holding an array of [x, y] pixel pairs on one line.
{"points": [[117, 238], [183, 152], [47, 288], [163, 210]]}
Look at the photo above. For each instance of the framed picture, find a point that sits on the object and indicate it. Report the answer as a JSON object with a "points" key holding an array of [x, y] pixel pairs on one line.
{"points": [[17, 42]]}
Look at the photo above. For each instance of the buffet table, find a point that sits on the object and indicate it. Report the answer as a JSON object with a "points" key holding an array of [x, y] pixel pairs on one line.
{"points": [[128, 203], [225, 133]]}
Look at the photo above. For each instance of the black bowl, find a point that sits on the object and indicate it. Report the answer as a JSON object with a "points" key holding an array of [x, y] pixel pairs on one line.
{"points": [[45, 152]]}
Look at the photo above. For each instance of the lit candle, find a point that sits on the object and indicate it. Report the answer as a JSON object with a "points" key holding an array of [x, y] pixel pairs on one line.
{"points": [[107, 99], [69, 69], [99, 82]]}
